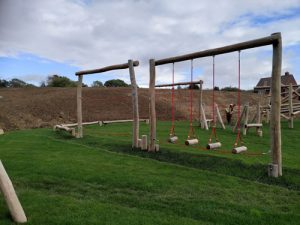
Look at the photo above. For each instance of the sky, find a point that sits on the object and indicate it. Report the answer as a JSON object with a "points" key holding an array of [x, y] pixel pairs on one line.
{"points": [[42, 38]]}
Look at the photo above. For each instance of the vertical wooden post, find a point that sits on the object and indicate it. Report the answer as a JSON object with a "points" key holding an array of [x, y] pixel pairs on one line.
{"points": [[79, 107], [11, 198], [275, 126], [291, 120], [135, 106], [258, 113], [152, 139]]}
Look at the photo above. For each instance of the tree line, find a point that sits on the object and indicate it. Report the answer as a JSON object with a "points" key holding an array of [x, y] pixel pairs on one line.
{"points": [[60, 81]]}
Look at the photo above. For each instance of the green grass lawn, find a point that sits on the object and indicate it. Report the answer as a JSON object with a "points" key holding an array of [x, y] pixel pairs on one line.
{"points": [[100, 180]]}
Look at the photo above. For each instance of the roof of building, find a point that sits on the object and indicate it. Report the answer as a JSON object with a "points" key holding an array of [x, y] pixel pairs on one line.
{"points": [[286, 79]]}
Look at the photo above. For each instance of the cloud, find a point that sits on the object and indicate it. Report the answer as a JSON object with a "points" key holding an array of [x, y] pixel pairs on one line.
{"points": [[92, 34]]}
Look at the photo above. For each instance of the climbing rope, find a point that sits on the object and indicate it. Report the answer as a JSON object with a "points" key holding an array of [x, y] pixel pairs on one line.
{"points": [[213, 131], [238, 137], [172, 130], [191, 131]]}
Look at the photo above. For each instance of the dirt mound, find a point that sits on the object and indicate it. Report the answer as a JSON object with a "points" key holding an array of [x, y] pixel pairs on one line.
{"points": [[44, 107]]}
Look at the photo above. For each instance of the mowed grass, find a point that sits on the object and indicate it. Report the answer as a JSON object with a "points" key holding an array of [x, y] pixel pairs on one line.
{"points": [[100, 180]]}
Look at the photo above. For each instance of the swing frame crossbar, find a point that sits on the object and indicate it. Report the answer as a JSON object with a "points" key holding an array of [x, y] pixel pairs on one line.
{"points": [[275, 167]]}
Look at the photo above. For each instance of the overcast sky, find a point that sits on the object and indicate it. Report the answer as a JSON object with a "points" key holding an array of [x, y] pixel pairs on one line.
{"points": [[40, 38]]}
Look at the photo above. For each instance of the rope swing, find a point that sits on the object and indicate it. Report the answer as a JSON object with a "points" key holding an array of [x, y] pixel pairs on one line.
{"points": [[172, 137], [191, 139], [216, 144], [238, 145]]}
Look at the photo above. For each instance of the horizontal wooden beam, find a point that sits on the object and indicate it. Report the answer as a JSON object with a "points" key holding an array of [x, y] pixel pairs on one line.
{"points": [[180, 83], [107, 68], [268, 87], [272, 39]]}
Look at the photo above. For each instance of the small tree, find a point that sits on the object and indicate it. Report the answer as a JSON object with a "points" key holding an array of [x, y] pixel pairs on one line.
{"points": [[60, 81], [216, 88], [17, 83], [3, 83], [97, 84], [115, 83], [193, 86]]}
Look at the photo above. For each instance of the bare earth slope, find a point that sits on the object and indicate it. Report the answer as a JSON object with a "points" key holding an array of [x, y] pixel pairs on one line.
{"points": [[44, 107]]}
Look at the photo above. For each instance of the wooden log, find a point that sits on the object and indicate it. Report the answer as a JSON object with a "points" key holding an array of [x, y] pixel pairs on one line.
{"points": [[258, 113], [65, 128], [79, 107], [139, 143], [249, 125], [274, 38], [191, 142], [152, 135], [173, 139], [219, 117], [204, 120], [135, 105], [144, 142], [107, 68], [275, 125], [259, 133], [123, 121], [295, 113], [213, 145], [238, 150], [273, 170], [284, 116], [85, 123], [291, 120], [179, 83], [11, 198]]}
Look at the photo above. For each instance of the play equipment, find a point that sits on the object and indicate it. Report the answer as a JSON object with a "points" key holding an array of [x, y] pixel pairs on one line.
{"points": [[254, 123], [289, 107], [275, 131], [213, 145], [173, 138], [238, 144], [131, 64], [11, 198], [191, 138]]}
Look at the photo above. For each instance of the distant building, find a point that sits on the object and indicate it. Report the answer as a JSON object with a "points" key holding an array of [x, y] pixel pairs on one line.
{"points": [[264, 84]]}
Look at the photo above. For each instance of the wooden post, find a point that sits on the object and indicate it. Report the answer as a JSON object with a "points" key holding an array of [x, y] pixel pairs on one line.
{"points": [[219, 116], [144, 142], [79, 107], [204, 120], [275, 126], [152, 136], [11, 198], [291, 119], [135, 106]]}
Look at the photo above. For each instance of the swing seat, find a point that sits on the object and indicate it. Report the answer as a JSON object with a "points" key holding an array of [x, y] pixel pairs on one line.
{"points": [[191, 141], [213, 145], [239, 149], [173, 139]]}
